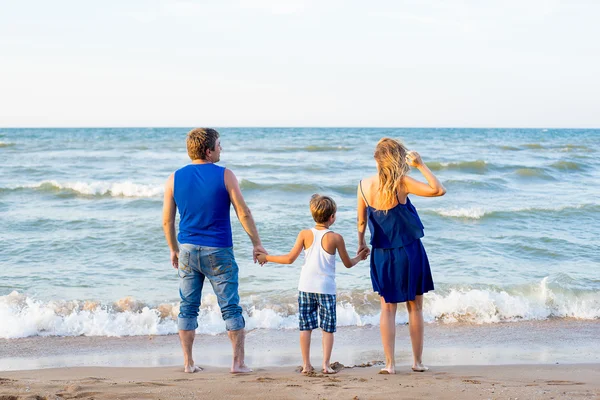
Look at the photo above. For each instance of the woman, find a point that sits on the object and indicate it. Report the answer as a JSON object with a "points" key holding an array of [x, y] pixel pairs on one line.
{"points": [[399, 266]]}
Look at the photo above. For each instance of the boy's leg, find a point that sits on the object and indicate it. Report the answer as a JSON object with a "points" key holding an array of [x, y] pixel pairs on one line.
{"points": [[327, 313], [307, 318], [327, 347], [305, 349]]}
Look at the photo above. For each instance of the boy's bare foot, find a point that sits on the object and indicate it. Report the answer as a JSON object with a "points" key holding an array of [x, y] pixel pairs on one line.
{"points": [[419, 368], [328, 370], [307, 369], [388, 370], [190, 369], [242, 369]]}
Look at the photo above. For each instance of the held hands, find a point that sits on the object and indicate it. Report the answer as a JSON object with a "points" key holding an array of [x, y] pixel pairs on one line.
{"points": [[262, 258], [363, 253], [414, 159], [260, 254]]}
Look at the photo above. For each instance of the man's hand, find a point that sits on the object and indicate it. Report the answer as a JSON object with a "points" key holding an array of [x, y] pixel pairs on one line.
{"points": [[175, 259], [262, 258], [258, 250]]}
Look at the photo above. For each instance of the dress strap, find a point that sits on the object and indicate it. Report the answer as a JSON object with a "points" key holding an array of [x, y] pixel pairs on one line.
{"points": [[363, 194]]}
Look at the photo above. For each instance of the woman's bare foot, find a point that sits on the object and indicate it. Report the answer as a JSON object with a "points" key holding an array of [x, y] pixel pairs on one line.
{"points": [[242, 369], [328, 370], [419, 368], [190, 369], [388, 370], [307, 369]]}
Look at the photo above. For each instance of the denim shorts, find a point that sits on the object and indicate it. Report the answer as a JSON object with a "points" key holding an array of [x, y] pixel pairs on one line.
{"points": [[219, 266], [309, 304]]}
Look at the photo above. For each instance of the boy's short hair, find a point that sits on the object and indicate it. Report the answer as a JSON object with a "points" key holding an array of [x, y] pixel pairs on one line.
{"points": [[322, 208], [199, 140]]}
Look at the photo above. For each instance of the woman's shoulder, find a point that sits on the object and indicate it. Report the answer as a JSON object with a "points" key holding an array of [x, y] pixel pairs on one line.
{"points": [[368, 181]]}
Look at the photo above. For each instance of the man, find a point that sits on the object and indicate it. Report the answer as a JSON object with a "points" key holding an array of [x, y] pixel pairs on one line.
{"points": [[203, 193]]}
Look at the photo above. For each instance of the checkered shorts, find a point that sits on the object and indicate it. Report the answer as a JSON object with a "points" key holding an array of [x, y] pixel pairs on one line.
{"points": [[309, 304]]}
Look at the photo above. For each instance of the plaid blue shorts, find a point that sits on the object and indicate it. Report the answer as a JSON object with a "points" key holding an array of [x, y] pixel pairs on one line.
{"points": [[309, 304]]}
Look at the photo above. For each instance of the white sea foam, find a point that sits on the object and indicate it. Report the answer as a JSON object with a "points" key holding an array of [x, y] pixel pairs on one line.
{"points": [[480, 212], [99, 188], [23, 316], [470, 213]]}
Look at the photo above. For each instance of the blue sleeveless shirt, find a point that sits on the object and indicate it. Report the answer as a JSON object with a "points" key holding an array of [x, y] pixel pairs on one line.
{"points": [[204, 204], [396, 227]]}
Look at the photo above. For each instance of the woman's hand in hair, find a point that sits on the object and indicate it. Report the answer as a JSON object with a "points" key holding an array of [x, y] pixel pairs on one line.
{"points": [[414, 159]]}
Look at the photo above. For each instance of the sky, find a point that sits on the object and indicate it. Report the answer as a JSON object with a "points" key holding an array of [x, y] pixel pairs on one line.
{"points": [[525, 63]]}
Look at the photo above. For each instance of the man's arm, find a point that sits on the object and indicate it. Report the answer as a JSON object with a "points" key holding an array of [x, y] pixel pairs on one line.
{"points": [[169, 209], [243, 212]]}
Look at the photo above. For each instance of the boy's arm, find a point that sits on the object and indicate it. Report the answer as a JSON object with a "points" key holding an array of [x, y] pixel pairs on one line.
{"points": [[291, 256], [341, 248]]}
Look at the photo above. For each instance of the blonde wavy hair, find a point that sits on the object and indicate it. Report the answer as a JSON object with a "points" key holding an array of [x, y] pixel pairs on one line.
{"points": [[390, 155]]}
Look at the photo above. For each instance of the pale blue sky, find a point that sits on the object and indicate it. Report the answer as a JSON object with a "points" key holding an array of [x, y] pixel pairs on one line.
{"points": [[526, 63]]}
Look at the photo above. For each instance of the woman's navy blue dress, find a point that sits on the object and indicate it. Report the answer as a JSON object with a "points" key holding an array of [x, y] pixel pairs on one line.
{"points": [[399, 266]]}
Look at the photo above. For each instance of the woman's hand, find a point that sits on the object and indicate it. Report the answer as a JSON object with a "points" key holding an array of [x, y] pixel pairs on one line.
{"points": [[414, 159], [361, 249]]}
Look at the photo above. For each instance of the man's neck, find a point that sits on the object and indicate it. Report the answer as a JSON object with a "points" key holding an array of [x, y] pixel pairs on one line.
{"points": [[202, 162]]}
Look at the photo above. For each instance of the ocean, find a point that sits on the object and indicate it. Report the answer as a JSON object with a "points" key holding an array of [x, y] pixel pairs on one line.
{"points": [[82, 252]]}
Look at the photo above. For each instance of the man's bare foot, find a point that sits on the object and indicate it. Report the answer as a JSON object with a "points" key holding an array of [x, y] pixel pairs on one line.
{"points": [[328, 370], [190, 369], [419, 368], [388, 371], [242, 369], [307, 369]]}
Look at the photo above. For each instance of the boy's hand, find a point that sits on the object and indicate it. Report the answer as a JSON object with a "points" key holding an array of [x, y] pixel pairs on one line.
{"points": [[363, 253], [262, 258]]}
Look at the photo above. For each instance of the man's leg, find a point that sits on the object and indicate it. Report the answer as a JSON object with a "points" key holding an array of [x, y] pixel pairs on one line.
{"points": [[221, 269], [187, 343], [190, 291], [237, 339]]}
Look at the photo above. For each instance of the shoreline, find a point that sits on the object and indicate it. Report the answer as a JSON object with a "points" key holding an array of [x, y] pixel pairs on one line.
{"points": [[529, 342], [464, 382]]}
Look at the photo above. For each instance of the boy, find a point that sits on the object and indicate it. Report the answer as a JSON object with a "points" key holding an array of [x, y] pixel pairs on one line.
{"points": [[317, 279]]}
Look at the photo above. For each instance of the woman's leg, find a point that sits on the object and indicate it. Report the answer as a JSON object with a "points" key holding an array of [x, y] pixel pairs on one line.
{"points": [[387, 325], [416, 328]]}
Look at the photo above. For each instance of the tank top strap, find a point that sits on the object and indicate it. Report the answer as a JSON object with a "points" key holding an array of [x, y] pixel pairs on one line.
{"points": [[318, 237], [363, 194]]}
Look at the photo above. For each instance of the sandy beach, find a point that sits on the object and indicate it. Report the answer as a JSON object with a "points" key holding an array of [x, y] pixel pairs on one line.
{"points": [[457, 382], [527, 360]]}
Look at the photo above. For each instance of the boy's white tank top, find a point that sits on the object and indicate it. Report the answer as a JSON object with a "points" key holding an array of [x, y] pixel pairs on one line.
{"points": [[318, 271]]}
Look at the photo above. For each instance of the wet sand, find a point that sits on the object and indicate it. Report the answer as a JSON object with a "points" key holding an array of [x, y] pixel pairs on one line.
{"points": [[456, 382], [530, 342], [526, 360]]}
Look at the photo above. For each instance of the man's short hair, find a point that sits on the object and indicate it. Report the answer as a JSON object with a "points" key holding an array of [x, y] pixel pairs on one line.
{"points": [[199, 140], [322, 208]]}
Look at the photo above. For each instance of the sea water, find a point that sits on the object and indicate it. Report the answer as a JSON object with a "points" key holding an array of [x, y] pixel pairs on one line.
{"points": [[82, 250]]}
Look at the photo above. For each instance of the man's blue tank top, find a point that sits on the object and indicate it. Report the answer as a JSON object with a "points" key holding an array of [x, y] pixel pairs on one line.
{"points": [[204, 205]]}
